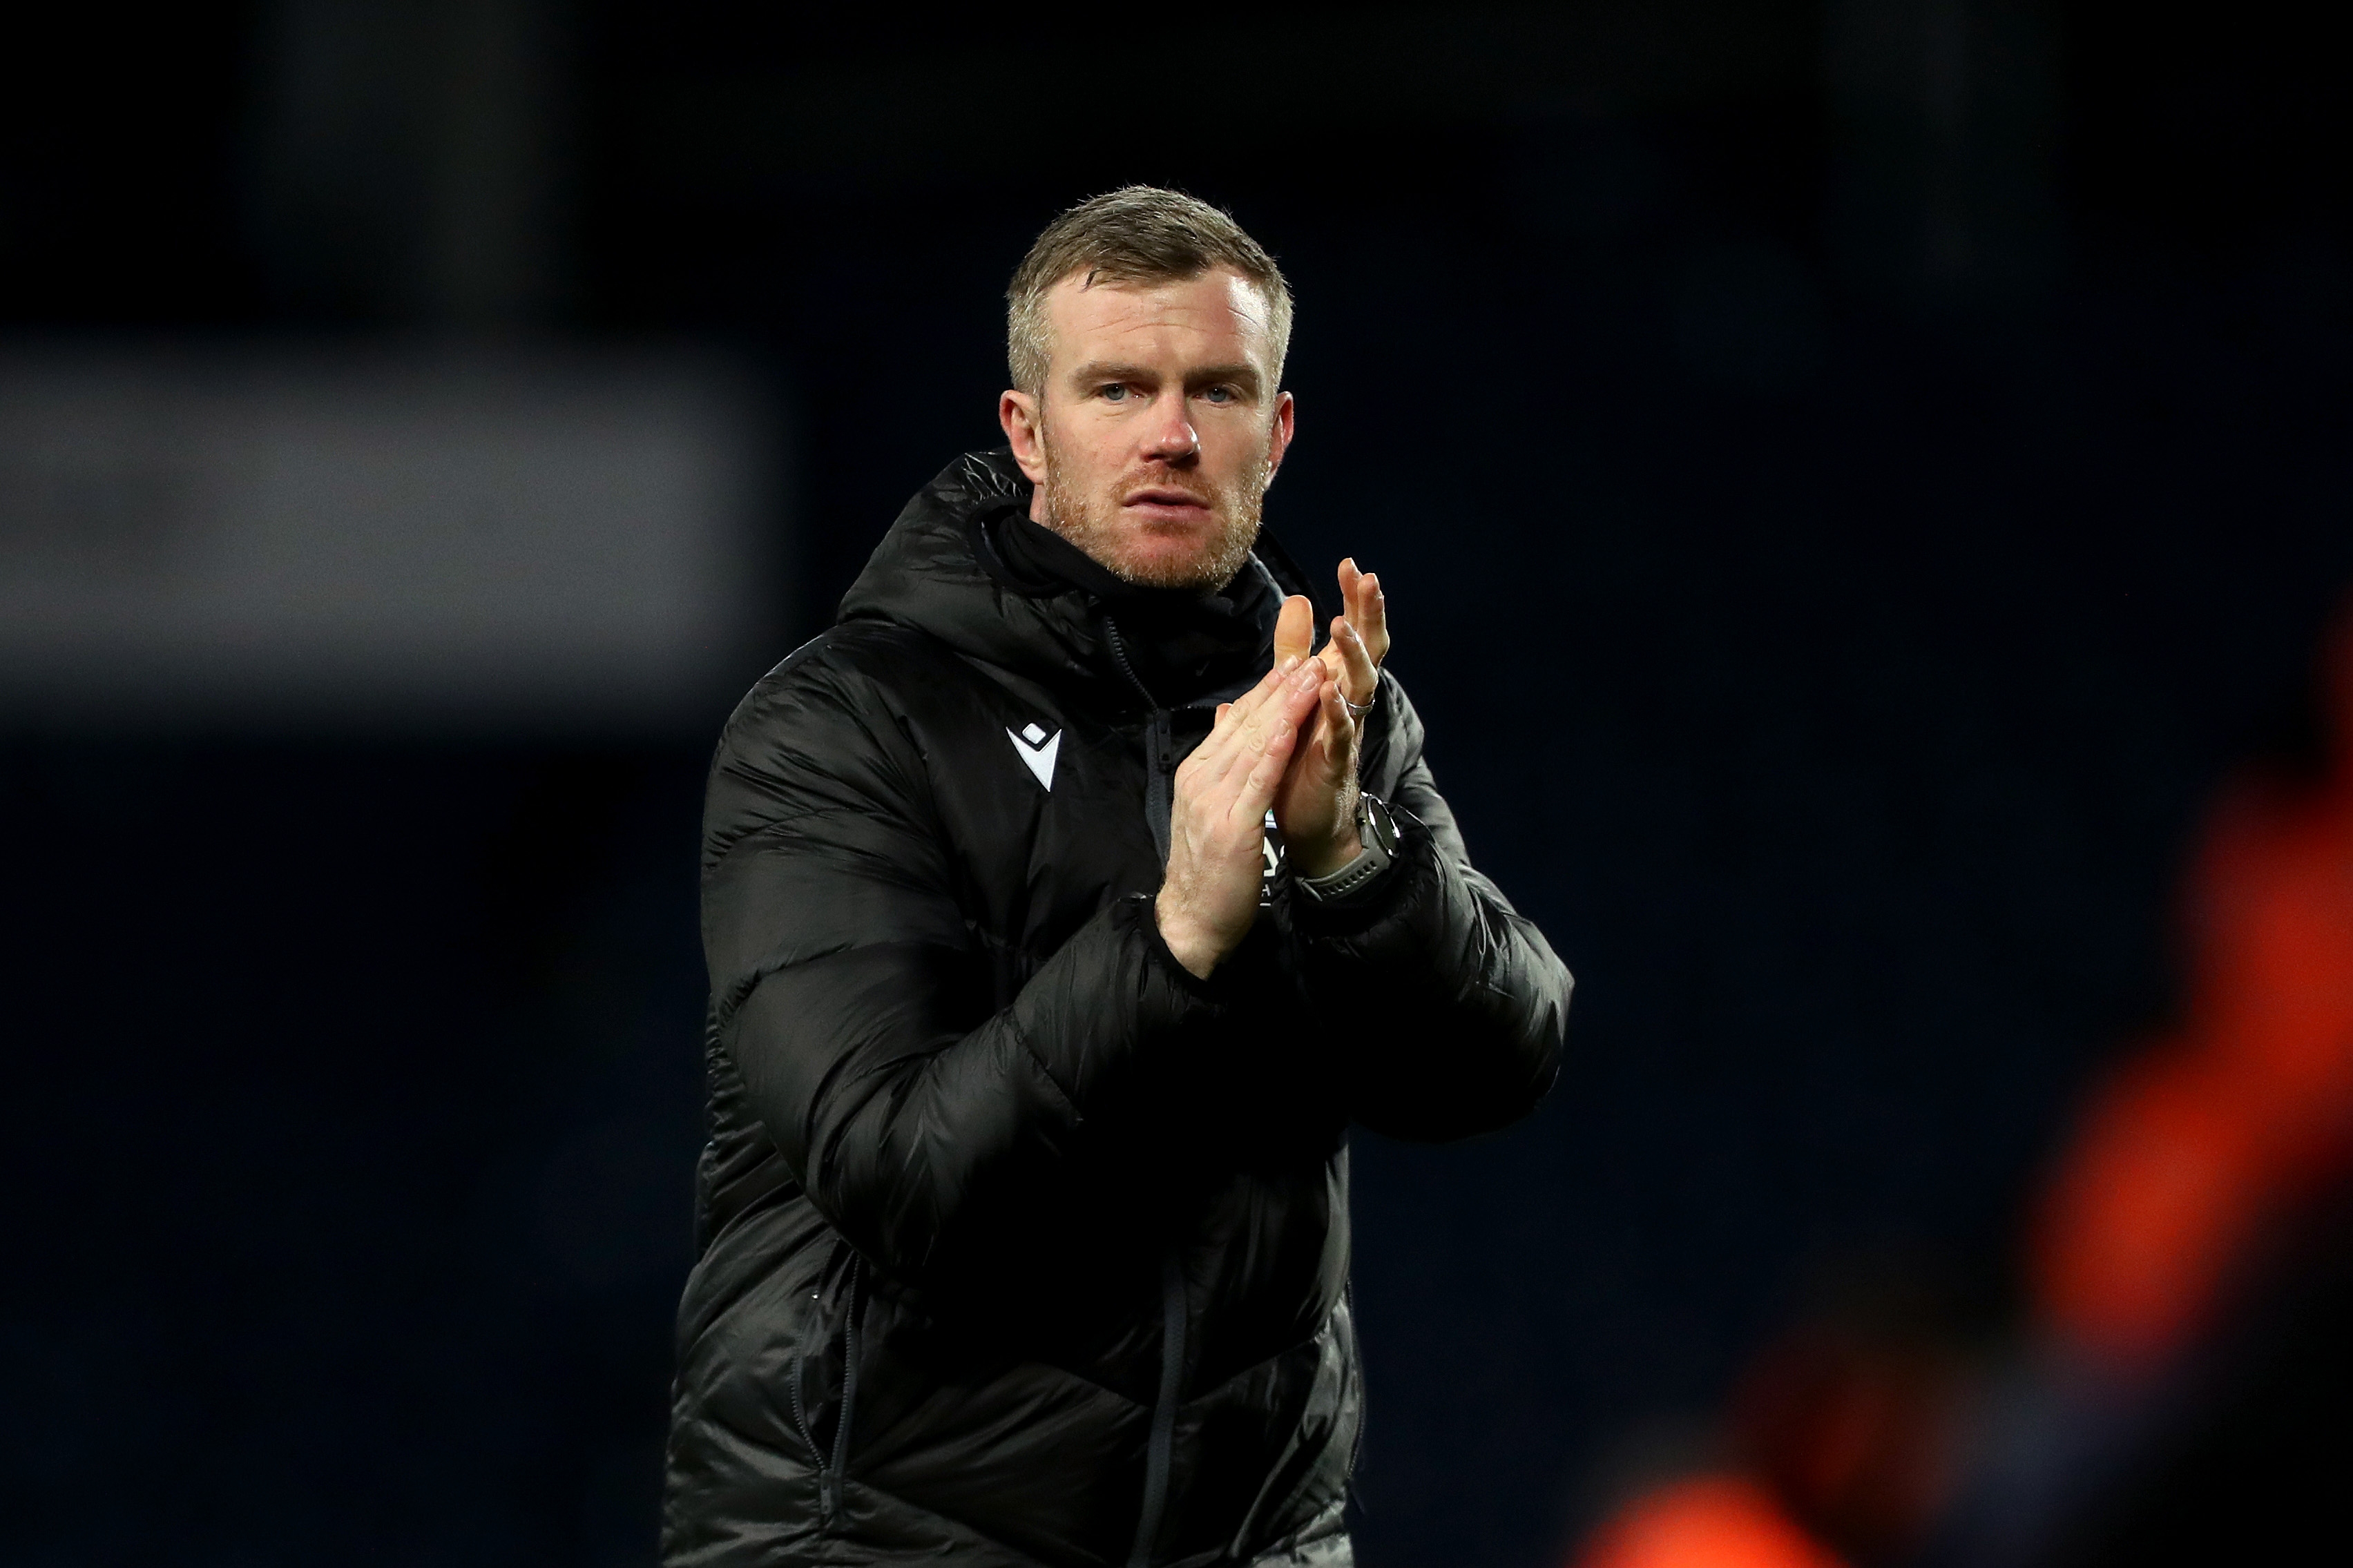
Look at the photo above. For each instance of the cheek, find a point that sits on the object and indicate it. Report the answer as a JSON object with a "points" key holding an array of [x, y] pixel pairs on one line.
{"points": [[1111, 441], [1091, 441], [1237, 452]]}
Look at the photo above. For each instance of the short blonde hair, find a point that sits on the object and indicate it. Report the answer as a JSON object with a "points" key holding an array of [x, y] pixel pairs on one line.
{"points": [[1137, 234]]}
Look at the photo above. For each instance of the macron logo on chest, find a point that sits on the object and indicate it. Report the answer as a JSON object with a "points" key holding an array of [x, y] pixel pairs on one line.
{"points": [[1038, 751]]}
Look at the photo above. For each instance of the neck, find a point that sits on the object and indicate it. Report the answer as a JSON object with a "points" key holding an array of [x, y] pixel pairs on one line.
{"points": [[1035, 549]]}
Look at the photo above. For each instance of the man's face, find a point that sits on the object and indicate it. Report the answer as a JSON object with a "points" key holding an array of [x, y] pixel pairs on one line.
{"points": [[1159, 427]]}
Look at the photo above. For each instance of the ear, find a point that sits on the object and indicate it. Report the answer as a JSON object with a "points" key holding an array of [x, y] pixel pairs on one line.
{"points": [[1017, 413], [1285, 417]]}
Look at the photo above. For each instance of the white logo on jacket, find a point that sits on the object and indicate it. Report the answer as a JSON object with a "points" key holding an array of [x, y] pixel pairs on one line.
{"points": [[1038, 751]]}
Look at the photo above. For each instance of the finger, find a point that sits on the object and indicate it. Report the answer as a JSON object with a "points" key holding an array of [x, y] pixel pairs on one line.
{"points": [[1352, 592], [1368, 612], [1214, 757], [1240, 709], [1337, 725], [1220, 732], [1307, 716], [1210, 761], [1358, 673], [1295, 630], [1332, 737], [1280, 703], [1360, 598], [1316, 729], [1231, 717], [1291, 703], [1283, 712], [1255, 788]]}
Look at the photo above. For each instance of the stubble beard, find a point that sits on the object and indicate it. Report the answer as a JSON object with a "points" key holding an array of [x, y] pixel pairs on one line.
{"points": [[1093, 524]]}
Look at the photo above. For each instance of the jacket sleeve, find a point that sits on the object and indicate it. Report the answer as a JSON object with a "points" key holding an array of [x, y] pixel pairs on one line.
{"points": [[1444, 1006], [851, 996]]}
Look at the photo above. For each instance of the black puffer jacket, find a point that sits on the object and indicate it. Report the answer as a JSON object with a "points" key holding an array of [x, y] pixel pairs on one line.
{"points": [[1020, 1245]]}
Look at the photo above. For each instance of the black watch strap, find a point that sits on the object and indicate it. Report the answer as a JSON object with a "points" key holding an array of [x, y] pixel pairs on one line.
{"points": [[1377, 829]]}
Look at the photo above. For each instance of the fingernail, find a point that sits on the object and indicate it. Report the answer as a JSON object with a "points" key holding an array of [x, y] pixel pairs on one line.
{"points": [[1290, 662]]}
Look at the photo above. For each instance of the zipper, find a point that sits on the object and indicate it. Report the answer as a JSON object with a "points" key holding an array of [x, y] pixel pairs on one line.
{"points": [[1118, 646], [829, 1482], [1164, 1409], [1159, 793], [1160, 779], [801, 1408], [831, 1470], [1159, 745]]}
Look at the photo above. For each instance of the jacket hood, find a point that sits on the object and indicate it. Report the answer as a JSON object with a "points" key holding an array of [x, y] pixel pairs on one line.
{"points": [[964, 564]]}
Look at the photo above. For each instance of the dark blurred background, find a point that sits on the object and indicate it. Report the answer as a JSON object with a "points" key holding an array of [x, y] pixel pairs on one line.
{"points": [[1854, 478]]}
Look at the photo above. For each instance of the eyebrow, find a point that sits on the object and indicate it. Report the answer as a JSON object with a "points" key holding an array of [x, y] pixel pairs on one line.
{"points": [[1098, 371]]}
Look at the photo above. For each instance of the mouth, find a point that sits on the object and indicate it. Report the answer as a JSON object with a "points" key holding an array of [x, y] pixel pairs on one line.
{"points": [[1164, 503]]}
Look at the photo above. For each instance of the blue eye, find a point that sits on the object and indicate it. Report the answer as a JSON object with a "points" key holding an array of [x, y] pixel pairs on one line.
{"points": [[1219, 394], [1114, 391]]}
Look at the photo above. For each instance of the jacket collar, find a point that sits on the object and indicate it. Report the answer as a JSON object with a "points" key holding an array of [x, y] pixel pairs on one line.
{"points": [[964, 564]]}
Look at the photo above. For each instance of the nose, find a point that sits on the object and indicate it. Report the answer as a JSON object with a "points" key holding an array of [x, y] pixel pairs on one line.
{"points": [[1170, 437]]}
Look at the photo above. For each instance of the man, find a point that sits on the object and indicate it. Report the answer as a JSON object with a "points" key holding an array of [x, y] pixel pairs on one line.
{"points": [[1032, 1048]]}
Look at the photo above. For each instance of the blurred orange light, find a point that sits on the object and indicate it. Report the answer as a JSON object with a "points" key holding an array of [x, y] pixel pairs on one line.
{"points": [[1704, 1521], [2185, 1156]]}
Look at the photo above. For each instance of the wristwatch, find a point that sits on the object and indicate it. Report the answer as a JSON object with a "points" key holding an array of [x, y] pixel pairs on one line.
{"points": [[1377, 830]]}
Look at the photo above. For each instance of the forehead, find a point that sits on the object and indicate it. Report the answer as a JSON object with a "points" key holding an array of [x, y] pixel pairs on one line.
{"points": [[1220, 313]]}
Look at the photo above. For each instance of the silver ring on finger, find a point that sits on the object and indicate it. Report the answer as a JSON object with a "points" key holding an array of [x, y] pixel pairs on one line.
{"points": [[1356, 710]]}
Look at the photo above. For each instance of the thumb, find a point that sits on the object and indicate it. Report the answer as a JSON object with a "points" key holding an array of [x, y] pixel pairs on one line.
{"points": [[1294, 629]]}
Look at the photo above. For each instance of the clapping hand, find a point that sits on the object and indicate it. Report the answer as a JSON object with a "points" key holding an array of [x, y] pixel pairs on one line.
{"points": [[1217, 823], [1288, 745], [1316, 805]]}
